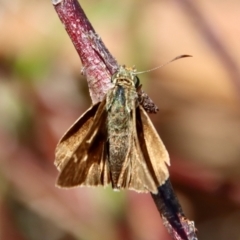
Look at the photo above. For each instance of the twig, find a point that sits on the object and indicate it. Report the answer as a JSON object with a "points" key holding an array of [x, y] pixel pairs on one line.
{"points": [[179, 227], [98, 63]]}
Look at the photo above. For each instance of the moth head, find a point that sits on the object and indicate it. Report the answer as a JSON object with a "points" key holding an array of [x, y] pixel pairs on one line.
{"points": [[126, 76]]}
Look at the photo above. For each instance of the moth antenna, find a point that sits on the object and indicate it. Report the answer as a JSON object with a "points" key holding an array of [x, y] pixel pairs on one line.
{"points": [[174, 59]]}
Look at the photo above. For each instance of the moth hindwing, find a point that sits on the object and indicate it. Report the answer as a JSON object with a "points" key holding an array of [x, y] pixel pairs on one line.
{"points": [[114, 142]]}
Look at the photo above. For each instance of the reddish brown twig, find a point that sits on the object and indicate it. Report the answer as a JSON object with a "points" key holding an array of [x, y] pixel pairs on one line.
{"points": [[98, 63]]}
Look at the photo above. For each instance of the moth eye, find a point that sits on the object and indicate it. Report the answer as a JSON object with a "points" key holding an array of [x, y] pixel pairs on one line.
{"points": [[136, 81]]}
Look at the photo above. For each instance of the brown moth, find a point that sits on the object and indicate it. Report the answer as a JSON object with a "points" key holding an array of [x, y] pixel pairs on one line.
{"points": [[115, 142]]}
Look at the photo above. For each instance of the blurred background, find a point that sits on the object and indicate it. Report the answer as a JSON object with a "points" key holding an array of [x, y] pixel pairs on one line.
{"points": [[42, 93]]}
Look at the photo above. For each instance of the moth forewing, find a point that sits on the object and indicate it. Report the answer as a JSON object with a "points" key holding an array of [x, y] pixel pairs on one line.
{"points": [[153, 148], [142, 177], [87, 163], [136, 174], [73, 137]]}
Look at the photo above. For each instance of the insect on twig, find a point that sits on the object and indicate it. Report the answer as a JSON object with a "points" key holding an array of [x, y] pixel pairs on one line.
{"points": [[115, 142]]}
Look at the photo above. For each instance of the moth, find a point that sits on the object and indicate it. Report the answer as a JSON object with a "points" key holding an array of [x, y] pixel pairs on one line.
{"points": [[114, 142]]}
